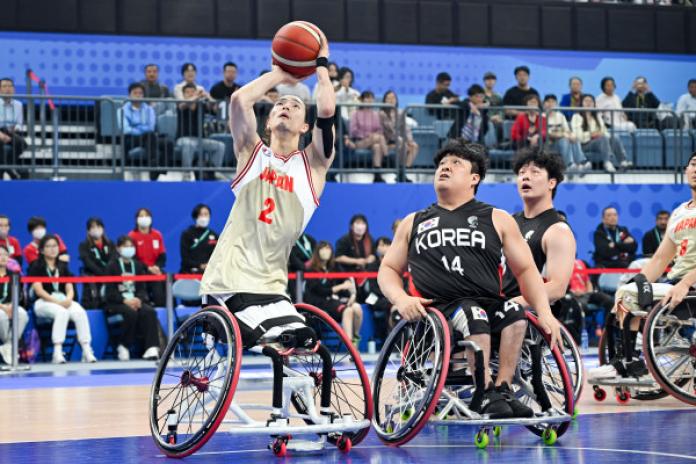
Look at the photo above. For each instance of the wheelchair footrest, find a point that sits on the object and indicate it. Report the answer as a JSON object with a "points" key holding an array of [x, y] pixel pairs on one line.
{"points": [[624, 382], [346, 425], [551, 418]]}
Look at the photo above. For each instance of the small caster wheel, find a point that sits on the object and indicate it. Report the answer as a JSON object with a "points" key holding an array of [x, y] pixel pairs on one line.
{"points": [[482, 439], [623, 397], [549, 436], [407, 414], [576, 413], [279, 447], [344, 444], [171, 438], [390, 427], [497, 430], [600, 394]]}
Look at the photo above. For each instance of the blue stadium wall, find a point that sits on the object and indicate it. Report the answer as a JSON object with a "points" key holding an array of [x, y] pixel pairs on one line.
{"points": [[67, 205], [105, 65]]}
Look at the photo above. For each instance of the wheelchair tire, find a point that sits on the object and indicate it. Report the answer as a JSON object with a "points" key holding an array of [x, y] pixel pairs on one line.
{"points": [[184, 376], [661, 324], [414, 361], [573, 359]]}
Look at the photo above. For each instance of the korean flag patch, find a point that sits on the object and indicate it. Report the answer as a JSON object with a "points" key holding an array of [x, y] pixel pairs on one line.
{"points": [[479, 313], [427, 225]]}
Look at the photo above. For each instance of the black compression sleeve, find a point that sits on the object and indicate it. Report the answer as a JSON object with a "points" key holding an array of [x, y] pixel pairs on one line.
{"points": [[326, 124]]}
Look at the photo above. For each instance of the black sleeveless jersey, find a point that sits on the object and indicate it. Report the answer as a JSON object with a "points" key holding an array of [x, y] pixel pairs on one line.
{"points": [[533, 231], [455, 254]]}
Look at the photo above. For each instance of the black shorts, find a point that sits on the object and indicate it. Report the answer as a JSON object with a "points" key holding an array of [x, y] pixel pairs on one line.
{"points": [[474, 317]]}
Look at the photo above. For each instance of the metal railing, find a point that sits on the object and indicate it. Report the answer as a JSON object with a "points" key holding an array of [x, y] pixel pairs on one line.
{"points": [[91, 136]]}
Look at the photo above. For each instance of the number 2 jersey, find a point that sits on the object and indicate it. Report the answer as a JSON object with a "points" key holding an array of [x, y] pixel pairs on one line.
{"points": [[681, 229], [275, 200], [456, 254]]}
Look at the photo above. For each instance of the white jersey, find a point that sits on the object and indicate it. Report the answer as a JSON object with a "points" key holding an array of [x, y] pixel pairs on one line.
{"points": [[681, 229], [275, 200]]}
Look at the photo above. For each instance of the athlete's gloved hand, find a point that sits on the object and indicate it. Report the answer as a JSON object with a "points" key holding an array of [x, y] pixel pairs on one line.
{"points": [[412, 308], [552, 327], [675, 295]]}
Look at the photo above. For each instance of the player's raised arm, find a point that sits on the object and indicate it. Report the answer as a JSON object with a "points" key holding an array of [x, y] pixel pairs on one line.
{"points": [[322, 148]]}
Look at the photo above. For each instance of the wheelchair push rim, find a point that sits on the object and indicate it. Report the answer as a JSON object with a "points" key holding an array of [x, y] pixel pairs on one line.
{"points": [[195, 381], [670, 352], [411, 368]]}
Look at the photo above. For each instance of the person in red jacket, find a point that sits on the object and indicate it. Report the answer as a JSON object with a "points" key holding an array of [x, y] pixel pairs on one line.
{"points": [[150, 250], [529, 129], [11, 244], [37, 228]]}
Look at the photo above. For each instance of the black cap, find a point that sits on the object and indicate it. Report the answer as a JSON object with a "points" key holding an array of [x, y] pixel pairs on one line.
{"points": [[490, 75]]}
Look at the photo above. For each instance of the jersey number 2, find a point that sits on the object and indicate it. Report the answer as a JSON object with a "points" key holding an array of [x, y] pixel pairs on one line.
{"points": [[270, 207], [683, 247]]}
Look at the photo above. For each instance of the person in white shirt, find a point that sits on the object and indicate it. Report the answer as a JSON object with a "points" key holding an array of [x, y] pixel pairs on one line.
{"points": [[559, 137], [594, 137], [345, 93], [686, 106], [188, 72], [608, 100]]}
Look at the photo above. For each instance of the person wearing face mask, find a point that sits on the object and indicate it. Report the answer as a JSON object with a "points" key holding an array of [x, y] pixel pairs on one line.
{"points": [[149, 249], [37, 228], [6, 309], [95, 253], [129, 299], [55, 300], [335, 296], [197, 242], [354, 251], [11, 243]]}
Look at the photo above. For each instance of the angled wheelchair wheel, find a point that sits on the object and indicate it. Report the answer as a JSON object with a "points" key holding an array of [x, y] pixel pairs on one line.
{"points": [[573, 360], [350, 387], [409, 377], [611, 346], [669, 339], [195, 381], [543, 381]]}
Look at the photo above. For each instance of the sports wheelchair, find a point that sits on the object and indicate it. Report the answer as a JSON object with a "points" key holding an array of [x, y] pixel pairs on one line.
{"points": [[320, 389], [413, 383]]}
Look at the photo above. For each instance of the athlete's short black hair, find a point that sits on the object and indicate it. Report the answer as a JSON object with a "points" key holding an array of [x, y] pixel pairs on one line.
{"points": [[549, 161], [692, 156], [474, 153]]}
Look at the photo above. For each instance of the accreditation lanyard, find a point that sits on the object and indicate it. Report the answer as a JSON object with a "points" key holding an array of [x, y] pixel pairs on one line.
{"points": [[658, 236], [95, 249], [616, 235], [305, 246], [129, 285], [5, 290], [200, 239]]}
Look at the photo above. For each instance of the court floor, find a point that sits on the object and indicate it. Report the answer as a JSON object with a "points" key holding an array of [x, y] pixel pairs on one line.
{"points": [[98, 414]]}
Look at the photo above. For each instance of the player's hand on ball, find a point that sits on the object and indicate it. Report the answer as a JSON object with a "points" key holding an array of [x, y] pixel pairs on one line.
{"points": [[324, 50], [412, 308]]}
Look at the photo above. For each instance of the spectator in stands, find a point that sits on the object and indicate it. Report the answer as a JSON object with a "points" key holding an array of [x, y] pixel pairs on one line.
{"points": [[366, 132], [227, 86], [55, 301], [12, 145], [686, 105], [355, 250], [96, 251], [574, 98], [580, 286], [11, 243], [197, 242], [589, 129], [382, 309], [138, 123], [301, 253], [615, 247], [37, 228], [475, 117], [190, 136], [515, 95], [150, 250], [345, 93], [441, 94], [335, 296], [653, 237], [298, 89], [397, 131], [608, 100], [188, 72], [529, 129], [152, 87], [129, 299], [493, 99], [6, 290], [561, 138], [641, 96]]}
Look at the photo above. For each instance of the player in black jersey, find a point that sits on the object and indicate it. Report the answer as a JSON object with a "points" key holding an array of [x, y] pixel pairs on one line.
{"points": [[454, 251], [549, 238]]}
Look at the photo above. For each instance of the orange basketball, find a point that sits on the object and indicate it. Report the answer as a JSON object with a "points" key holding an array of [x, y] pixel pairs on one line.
{"points": [[296, 47]]}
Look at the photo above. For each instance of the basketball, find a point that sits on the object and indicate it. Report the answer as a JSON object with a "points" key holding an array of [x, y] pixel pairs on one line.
{"points": [[296, 47]]}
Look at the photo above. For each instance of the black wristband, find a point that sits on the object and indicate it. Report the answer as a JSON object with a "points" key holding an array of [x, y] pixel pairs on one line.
{"points": [[323, 62], [325, 123]]}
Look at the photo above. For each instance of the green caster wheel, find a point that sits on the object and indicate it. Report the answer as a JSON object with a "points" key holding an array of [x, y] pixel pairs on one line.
{"points": [[481, 439], [406, 415], [497, 430], [549, 436], [576, 413]]}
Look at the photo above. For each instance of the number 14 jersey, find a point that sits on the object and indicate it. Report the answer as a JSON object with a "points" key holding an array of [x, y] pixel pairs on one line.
{"points": [[456, 254], [275, 200]]}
